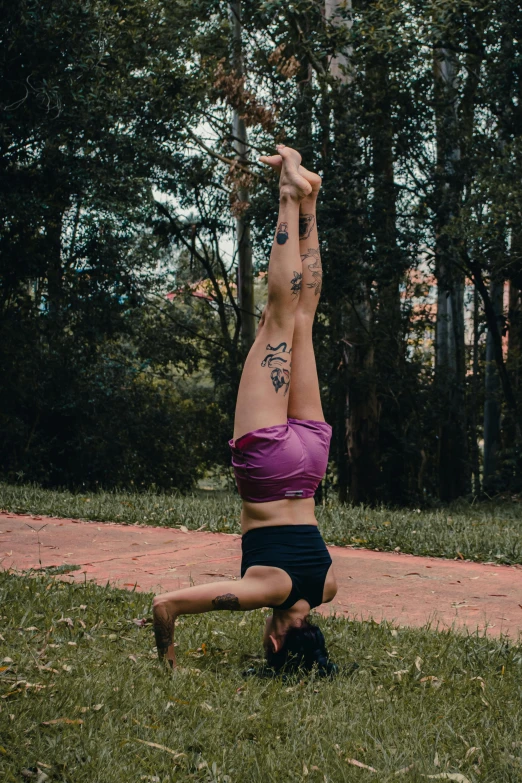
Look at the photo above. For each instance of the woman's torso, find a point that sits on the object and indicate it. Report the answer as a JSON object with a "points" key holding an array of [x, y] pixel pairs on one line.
{"points": [[287, 511]]}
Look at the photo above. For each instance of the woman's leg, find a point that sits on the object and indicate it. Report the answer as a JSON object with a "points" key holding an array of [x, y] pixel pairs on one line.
{"points": [[264, 388], [255, 590], [305, 398]]}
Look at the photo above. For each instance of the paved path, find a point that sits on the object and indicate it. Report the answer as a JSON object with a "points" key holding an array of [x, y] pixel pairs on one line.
{"points": [[401, 588]]}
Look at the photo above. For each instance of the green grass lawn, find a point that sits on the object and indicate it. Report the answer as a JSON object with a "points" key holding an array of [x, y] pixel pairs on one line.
{"points": [[83, 698], [485, 532]]}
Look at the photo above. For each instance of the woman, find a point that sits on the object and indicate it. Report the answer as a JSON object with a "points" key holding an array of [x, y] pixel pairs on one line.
{"points": [[279, 451]]}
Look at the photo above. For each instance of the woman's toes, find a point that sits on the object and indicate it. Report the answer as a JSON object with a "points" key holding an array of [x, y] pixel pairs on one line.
{"points": [[276, 161]]}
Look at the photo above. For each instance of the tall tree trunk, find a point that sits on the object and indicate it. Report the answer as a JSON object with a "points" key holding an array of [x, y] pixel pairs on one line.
{"points": [[245, 287], [492, 403], [512, 438], [388, 266], [304, 112], [453, 464], [352, 311], [474, 402]]}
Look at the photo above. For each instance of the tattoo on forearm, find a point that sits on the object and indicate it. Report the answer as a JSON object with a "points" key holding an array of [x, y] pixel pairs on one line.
{"points": [[227, 601], [163, 633], [306, 224], [282, 233], [296, 282], [276, 361], [315, 269]]}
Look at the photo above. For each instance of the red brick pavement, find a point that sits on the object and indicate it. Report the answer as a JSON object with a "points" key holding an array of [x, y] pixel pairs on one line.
{"points": [[403, 589]]}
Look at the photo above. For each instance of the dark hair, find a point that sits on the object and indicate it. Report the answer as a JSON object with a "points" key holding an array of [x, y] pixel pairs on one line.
{"points": [[303, 648]]}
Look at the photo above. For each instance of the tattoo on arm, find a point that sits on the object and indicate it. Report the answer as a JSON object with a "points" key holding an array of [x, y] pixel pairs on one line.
{"points": [[315, 269], [296, 282], [306, 224], [282, 233], [227, 601], [276, 361], [163, 633]]}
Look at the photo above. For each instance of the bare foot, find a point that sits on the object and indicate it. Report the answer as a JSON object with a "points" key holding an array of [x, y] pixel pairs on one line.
{"points": [[276, 161], [291, 182]]}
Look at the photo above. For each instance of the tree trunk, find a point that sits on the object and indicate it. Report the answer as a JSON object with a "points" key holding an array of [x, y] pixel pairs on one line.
{"points": [[453, 464], [492, 402], [352, 310], [512, 439], [304, 112], [474, 402], [387, 262], [245, 277]]}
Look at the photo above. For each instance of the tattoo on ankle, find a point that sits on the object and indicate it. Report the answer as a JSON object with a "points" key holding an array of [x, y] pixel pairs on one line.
{"points": [[315, 269], [276, 361], [282, 233], [227, 601], [163, 633], [296, 283], [306, 224]]}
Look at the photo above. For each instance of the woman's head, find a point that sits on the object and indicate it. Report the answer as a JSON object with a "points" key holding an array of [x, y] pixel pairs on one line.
{"points": [[302, 646]]}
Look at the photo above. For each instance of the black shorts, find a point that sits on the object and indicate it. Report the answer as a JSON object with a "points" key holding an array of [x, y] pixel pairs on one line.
{"points": [[297, 549]]}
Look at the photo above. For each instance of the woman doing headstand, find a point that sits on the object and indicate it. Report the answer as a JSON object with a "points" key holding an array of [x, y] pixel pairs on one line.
{"points": [[279, 451]]}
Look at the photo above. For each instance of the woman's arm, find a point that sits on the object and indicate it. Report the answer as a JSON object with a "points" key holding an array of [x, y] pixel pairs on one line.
{"points": [[257, 589]]}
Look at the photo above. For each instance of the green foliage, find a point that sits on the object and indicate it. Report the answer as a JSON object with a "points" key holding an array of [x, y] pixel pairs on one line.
{"points": [[100, 422]]}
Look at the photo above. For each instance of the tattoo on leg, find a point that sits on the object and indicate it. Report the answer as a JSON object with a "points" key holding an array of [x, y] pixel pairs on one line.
{"points": [[276, 361], [282, 233], [306, 224], [163, 633], [227, 601], [317, 275], [280, 379], [315, 269], [296, 282]]}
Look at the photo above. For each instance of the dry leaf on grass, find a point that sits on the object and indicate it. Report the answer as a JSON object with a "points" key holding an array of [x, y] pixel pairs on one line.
{"points": [[67, 621], [356, 763], [173, 703], [183, 528], [68, 721], [173, 753], [141, 621], [455, 776], [404, 770], [10, 693], [35, 774], [431, 680]]}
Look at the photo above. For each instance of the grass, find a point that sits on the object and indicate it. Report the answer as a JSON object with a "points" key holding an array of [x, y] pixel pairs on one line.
{"points": [[483, 532], [82, 697]]}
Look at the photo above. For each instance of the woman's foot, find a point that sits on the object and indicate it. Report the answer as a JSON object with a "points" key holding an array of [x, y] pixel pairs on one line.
{"points": [[291, 181], [276, 161]]}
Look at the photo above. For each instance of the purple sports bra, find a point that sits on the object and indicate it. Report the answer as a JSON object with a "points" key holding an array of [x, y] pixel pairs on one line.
{"points": [[283, 461]]}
